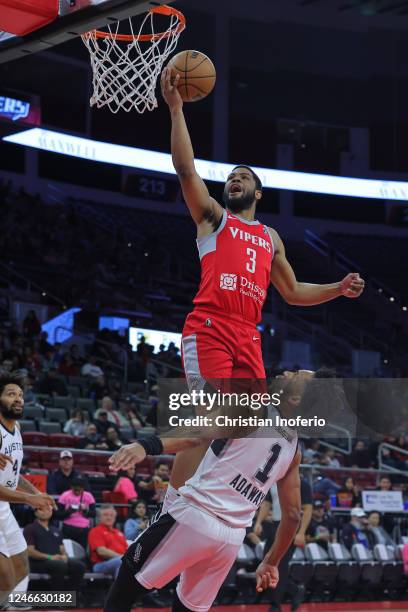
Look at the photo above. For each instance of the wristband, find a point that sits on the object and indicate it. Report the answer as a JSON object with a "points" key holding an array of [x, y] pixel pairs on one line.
{"points": [[49, 557], [152, 445]]}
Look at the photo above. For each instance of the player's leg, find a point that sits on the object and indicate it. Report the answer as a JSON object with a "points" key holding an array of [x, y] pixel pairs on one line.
{"points": [[207, 356], [17, 547]]}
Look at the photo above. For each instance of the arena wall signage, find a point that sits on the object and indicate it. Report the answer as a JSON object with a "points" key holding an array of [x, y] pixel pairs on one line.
{"points": [[93, 150]]}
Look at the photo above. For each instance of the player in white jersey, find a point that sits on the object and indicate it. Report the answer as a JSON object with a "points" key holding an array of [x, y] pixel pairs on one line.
{"points": [[203, 530], [14, 488]]}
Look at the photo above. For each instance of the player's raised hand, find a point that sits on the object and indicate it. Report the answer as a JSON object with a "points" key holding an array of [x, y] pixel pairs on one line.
{"points": [[126, 457], [42, 501], [4, 460], [169, 89], [267, 577], [352, 286]]}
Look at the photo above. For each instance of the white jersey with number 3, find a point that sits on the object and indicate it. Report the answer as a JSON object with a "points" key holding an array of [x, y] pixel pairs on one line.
{"points": [[235, 475], [11, 444]]}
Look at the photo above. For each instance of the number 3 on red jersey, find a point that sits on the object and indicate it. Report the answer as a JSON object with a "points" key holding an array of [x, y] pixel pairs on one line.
{"points": [[251, 264]]}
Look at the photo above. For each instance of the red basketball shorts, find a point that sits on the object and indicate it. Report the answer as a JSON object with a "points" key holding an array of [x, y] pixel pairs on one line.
{"points": [[215, 346]]}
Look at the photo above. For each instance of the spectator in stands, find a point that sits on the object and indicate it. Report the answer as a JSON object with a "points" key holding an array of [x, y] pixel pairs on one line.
{"points": [[154, 488], [349, 495], [76, 425], [90, 369], [51, 384], [30, 397], [125, 484], [325, 486], [44, 345], [356, 532], [67, 366], [98, 389], [93, 440], [60, 480], [75, 355], [102, 423], [384, 484], [76, 507], [31, 325], [131, 414], [106, 544], [47, 553], [311, 453], [329, 459], [360, 457], [321, 527], [137, 521], [114, 416], [114, 440], [380, 534]]}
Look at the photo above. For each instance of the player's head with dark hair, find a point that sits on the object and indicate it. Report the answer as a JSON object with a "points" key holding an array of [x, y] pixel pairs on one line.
{"points": [[242, 190], [11, 396]]}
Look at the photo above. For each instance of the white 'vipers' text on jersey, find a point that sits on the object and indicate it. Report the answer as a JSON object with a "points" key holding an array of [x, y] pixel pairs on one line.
{"points": [[11, 444], [235, 475]]}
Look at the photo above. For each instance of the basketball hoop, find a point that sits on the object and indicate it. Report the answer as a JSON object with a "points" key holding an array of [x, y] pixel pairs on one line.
{"points": [[126, 66]]}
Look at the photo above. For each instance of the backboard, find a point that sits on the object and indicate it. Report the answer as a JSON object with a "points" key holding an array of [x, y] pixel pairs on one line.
{"points": [[75, 17]]}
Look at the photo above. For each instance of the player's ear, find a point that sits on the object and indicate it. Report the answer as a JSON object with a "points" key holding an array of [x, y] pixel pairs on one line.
{"points": [[258, 194]]}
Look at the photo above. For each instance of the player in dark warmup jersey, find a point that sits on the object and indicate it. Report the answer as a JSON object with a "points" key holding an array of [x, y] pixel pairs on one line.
{"points": [[239, 257]]}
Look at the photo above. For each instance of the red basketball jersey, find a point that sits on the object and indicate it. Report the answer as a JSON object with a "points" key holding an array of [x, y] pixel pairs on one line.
{"points": [[235, 268]]}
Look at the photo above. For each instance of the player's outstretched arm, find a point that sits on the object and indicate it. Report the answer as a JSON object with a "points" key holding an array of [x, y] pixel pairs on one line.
{"points": [[131, 454], [200, 204], [267, 575], [307, 294]]}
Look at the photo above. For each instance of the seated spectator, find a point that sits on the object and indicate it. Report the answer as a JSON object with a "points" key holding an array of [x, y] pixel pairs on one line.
{"points": [[137, 521], [98, 389], [321, 527], [76, 425], [90, 369], [51, 384], [67, 367], [154, 488], [44, 345], [106, 544], [93, 440], [356, 532], [47, 554], [349, 495], [325, 486], [75, 355], [380, 534], [125, 484], [114, 440], [31, 325], [131, 414], [384, 484], [60, 480], [76, 507], [311, 453], [329, 459], [361, 457], [114, 416]]}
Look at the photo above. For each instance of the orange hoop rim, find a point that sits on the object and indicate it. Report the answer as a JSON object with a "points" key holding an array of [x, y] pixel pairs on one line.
{"points": [[162, 10]]}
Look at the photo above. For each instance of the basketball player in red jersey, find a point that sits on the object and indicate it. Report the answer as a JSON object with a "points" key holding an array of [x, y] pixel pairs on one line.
{"points": [[239, 258]]}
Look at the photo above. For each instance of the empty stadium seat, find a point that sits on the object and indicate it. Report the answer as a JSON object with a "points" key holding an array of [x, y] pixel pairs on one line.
{"points": [[27, 425], [63, 402], [33, 457], [74, 549], [58, 415], [113, 497], [392, 569], [348, 570], [127, 432], [35, 438], [325, 571], [62, 440], [33, 411], [74, 391], [86, 404], [371, 571], [300, 570], [49, 428]]}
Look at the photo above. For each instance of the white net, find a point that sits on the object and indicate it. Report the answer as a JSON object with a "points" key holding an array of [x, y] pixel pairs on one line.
{"points": [[126, 67]]}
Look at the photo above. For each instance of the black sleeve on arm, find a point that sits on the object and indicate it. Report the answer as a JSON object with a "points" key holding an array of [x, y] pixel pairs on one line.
{"points": [[306, 492]]}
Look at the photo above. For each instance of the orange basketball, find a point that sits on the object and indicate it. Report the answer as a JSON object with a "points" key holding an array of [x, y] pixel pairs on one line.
{"points": [[197, 74]]}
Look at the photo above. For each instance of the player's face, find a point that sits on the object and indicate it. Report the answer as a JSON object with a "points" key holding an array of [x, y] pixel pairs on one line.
{"points": [[12, 402], [239, 191]]}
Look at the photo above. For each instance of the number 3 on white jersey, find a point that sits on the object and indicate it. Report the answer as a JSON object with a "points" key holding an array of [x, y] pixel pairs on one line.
{"points": [[251, 264]]}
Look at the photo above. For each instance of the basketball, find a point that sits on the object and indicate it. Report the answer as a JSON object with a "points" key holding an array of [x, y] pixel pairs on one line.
{"points": [[197, 74]]}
